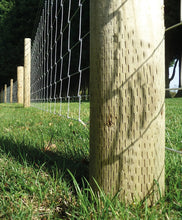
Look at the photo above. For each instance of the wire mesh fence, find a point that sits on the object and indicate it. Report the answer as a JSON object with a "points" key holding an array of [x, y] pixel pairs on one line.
{"points": [[14, 95], [8, 94], [60, 59]]}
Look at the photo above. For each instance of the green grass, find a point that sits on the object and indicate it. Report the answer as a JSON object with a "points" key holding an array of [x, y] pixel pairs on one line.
{"points": [[44, 157], [64, 109]]}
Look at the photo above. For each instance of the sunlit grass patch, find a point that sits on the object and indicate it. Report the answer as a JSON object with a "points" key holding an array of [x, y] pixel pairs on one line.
{"points": [[44, 161]]}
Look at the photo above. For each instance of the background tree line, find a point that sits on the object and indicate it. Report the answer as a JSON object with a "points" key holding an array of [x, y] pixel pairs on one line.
{"points": [[19, 19], [173, 42]]}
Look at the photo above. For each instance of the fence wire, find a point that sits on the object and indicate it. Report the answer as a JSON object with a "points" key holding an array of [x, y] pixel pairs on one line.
{"points": [[8, 94], [15, 88], [60, 59]]}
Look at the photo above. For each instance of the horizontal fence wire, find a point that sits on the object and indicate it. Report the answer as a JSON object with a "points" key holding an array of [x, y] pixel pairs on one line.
{"points": [[170, 89], [173, 150], [60, 60], [173, 27]]}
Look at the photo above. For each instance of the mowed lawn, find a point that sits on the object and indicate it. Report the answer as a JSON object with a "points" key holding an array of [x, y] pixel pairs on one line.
{"points": [[44, 161]]}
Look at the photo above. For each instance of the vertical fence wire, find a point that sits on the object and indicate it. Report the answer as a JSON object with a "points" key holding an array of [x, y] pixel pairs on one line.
{"points": [[8, 94], [60, 59], [15, 88]]}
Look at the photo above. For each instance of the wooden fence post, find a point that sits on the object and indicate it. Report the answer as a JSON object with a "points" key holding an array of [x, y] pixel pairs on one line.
{"points": [[27, 71], [2, 98], [5, 93], [11, 91], [20, 76], [127, 94]]}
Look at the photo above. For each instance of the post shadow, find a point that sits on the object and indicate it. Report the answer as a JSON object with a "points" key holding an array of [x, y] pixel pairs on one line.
{"points": [[49, 160]]}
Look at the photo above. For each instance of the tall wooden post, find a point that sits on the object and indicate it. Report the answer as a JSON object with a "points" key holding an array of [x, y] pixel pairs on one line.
{"points": [[11, 91], [20, 76], [5, 93], [127, 113], [27, 71], [2, 99]]}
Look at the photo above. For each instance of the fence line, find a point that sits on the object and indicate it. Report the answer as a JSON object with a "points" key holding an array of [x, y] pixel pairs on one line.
{"points": [[9, 94], [20, 79], [59, 84]]}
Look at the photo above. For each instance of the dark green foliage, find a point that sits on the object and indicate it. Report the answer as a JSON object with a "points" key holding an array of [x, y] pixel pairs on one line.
{"points": [[17, 19], [172, 12], [173, 45]]}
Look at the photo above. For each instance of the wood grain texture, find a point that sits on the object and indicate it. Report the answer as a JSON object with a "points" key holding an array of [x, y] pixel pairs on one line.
{"points": [[11, 91], [27, 70], [127, 113], [2, 96], [20, 77]]}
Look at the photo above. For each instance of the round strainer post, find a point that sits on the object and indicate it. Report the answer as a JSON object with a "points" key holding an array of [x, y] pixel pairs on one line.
{"points": [[127, 86], [27, 71], [20, 76], [11, 91], [1, 96]]}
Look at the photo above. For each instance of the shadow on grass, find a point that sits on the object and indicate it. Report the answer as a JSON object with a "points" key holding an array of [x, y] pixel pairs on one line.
{"points": [[52, 162], [9, 105]]}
